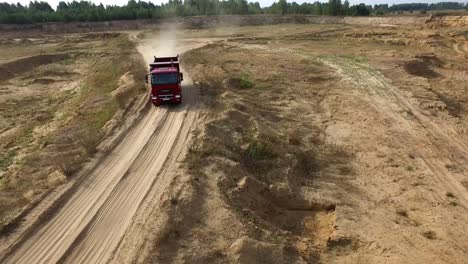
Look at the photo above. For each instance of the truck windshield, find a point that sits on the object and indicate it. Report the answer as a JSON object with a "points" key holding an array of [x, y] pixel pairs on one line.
{"points": [[164, 78]]}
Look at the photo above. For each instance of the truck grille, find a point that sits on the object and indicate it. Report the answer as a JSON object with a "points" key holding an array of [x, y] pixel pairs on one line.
{"points": [[166, 97]]}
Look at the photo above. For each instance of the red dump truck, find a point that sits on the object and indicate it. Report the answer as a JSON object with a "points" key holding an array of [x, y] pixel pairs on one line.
{"points": [[165, 79]]}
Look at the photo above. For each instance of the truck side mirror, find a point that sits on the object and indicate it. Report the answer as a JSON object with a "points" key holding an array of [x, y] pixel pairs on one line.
{"points": [[146, 78], [181, 76]]}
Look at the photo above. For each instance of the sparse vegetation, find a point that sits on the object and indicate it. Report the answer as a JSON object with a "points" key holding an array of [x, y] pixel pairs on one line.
{"points": [[295, 132], [72, 121], [274, 160], [250, 132], [261, 149], [245, 81], [6, 159], [307, 162], [266, 152], [354, 58]]}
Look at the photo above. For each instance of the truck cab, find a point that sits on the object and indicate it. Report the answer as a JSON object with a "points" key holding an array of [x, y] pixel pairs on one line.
{"points": [[165, 79]]}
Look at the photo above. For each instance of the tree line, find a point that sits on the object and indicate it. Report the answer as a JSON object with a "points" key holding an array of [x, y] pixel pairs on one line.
{"points": [[384, 8], [87, 11]]}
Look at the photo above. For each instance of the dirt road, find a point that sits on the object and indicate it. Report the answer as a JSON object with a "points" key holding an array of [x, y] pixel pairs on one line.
{"points": [[93, 220], [356, 154]]}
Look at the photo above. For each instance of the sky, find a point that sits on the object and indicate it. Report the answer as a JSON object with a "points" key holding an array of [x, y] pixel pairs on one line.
{"points": [[263, 3]]}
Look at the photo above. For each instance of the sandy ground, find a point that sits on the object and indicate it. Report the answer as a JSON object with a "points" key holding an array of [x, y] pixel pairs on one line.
{"points": [[384, 110], [58, 101], [296, 144], [95, 216]]}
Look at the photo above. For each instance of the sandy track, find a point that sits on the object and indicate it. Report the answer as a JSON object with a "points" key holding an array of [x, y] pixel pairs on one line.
{"points": [[93, 220], [433, 144]]}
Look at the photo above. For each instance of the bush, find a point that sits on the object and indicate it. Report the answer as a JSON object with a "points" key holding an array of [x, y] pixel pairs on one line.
{"points": [[245, 81], [259, 156], [260, 149], [307, 162]]}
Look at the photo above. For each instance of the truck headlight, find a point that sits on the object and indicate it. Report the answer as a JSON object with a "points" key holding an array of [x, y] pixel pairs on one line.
{"points": [[177, 96]]}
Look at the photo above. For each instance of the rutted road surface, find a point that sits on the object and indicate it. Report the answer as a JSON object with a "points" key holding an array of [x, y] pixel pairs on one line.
{"points": [[92, 222]]}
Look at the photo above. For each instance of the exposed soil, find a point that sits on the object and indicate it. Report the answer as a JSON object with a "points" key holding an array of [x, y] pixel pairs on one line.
{"points": [[109, 190], [422, 66], [11, 69], [295, 144], [318, 150], [51, 122]]}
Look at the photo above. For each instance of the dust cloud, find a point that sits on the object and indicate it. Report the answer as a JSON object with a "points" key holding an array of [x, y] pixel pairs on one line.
{"points": [[164, 42]]}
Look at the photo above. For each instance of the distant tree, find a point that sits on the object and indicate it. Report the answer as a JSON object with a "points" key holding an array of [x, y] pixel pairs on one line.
{"points": [[345, 8], [254, 8], [294, 8], [318, 8], [380, 10], [283, 6], [62, 6], [334, 7], [40, 7], [360, 10]]}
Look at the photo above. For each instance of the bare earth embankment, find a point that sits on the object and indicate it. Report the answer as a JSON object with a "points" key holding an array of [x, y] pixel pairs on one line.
{"points": [[331, 143], [327, 144]]}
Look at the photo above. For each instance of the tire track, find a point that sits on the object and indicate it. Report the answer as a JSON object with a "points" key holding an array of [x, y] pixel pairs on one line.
{"points": [[124, 201], [91, 223], [432, 145], [52, 239]]}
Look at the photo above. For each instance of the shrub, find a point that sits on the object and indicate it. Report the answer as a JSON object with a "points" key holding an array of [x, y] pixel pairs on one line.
{"points": [[245, 81], [307, 162], [259, 156]]}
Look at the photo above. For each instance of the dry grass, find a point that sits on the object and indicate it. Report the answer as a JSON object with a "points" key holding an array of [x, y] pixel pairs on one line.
{"points": [[252, 131], [255, 133], [291, 138], [254, 127], [75, 117], [6, 159]]}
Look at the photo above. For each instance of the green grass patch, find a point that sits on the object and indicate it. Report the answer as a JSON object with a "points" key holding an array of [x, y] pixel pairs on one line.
{"points": [[260, 149], [245, 81], [6, 159]]}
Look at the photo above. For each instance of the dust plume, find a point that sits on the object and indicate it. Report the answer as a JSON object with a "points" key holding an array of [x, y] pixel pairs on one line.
{"points": [[162, 43]]}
